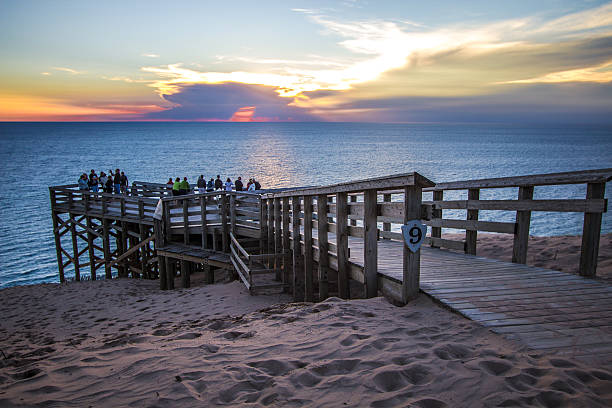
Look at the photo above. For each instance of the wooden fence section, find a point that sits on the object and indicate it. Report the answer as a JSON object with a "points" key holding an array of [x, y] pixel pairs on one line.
{"points": [[593, 205]]}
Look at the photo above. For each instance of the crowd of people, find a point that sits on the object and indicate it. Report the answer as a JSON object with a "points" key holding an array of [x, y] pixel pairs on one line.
{"points": [[116, 182], [181, 187]]}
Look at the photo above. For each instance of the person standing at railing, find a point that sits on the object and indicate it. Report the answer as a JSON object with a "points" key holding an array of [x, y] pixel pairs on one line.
{"points": [[184, 187], [238, 184], [103, 180], [124, 183], [251, 187], [210, 186], [108, 186], [83, 183], [93, 182], [228, 184], [201, 183], [257, 185], [117, 181], [176, 187], [218, 183]]}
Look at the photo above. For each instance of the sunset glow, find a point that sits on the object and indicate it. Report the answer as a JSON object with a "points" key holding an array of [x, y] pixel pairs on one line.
{"points": [[356, 62]]}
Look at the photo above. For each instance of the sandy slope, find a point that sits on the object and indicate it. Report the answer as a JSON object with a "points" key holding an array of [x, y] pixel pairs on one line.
{"points": [[125, 343]]}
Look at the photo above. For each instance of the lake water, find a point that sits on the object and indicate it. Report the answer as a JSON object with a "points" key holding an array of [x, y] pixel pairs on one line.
{"points": [[34, 156]]}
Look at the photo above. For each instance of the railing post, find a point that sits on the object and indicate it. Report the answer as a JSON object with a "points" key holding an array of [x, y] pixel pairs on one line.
{"points": [[75, 248], [436, 214], [161, 260], [521, 233], [322, 229], [308, 263], [387, 225], [233, 212], [263, 225], [370, 254], [108, 272], [342, 244], [286, 243], [270, 246], [58, 242], [591, 231], [411, 260], [278, 239], [225, 232], [353, 199], [203, 221], [298, 259], [186, 221], [471, 236]]}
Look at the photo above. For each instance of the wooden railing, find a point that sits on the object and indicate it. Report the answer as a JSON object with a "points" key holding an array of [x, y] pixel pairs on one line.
{"points": [[286, 214], [593, 205]]}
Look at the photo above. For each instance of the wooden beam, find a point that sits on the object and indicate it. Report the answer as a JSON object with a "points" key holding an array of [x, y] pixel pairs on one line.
{"points": [[411, 260], [472, 215], [386, 225], [342, 244], [298, 259], [591, 231], [286, 244], [75, 250], [278, 239], [132, 250], [521, 235], [204, 222], [308, 262], [370, 247], [323, 247]]}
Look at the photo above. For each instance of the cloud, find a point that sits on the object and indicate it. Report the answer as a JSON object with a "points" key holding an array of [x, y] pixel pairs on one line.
{"points": [[150, 55], [221, 102], [244, 114], [601, 73], [69, 70]]}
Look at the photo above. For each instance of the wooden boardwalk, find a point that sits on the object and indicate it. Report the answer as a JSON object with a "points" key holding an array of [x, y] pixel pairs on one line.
{"points": [[544, 309]]}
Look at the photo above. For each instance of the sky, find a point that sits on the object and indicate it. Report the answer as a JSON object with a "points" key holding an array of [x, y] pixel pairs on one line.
{"points": [[545, 61]]}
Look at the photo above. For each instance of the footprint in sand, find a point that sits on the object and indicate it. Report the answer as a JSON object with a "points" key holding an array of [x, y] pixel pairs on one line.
{"points": [[162, 332], [495, 367], [452, 352]]}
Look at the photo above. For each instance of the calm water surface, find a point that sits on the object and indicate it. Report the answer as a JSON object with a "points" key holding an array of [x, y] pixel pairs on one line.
{"points": [[34, 156]]}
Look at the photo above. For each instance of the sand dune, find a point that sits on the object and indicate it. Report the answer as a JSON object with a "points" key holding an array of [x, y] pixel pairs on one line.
{"points": [[125, 343]]}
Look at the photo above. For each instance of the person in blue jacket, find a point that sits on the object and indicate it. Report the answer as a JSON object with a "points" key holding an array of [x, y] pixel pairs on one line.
{"points": [[84, 182]]}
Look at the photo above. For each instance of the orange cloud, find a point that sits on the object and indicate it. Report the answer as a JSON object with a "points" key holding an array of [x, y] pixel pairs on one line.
{"points": [[244, 114]]}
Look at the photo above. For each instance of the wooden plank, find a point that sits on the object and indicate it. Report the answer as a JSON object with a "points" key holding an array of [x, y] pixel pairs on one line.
{"points": [[203, 222], [308, 262], [238, 246], [278, 238], [591, 231], [572, 177], [577, 205], [472, 215], [286, 245], [436, 221], [386, 225], [185, 273], [342, 244], [75, 250], [370, 247], [323, 246], [353, 199], [224, 224], [411, 261], [270, 244], [232, 207], [298, 260], [486, 226], [380, 183], [521, 234]]}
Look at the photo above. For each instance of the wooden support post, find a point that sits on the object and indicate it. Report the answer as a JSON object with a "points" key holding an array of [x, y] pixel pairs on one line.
{"points": [[322, 227], [108, 272], [185, 278], [471, 236], [330, 200], [370, 248], [186, 221], [263, 224], [591, 233], [298, 258], [144, 264], [387, 225], [353, 199], [124, 247], [342, 244], [233, 213], [203, 221], [278, 238], [436, 214], [270, 245], [308, 262], [161, 260], [58, 244], [521, 233], [75, 248], [225, 232], [286, 244], [169, 272], [209, 274], [411, 260], [90, 245]]}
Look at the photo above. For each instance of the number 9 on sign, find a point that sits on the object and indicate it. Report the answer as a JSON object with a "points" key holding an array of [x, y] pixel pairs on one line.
{"points": [[414, 233]]}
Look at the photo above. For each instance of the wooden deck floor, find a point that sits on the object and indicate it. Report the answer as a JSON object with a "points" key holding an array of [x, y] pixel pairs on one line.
{"points": [[544, 309]]}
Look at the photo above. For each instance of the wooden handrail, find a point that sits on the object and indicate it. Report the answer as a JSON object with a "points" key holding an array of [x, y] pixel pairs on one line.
{"points": [[570, 177]]}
